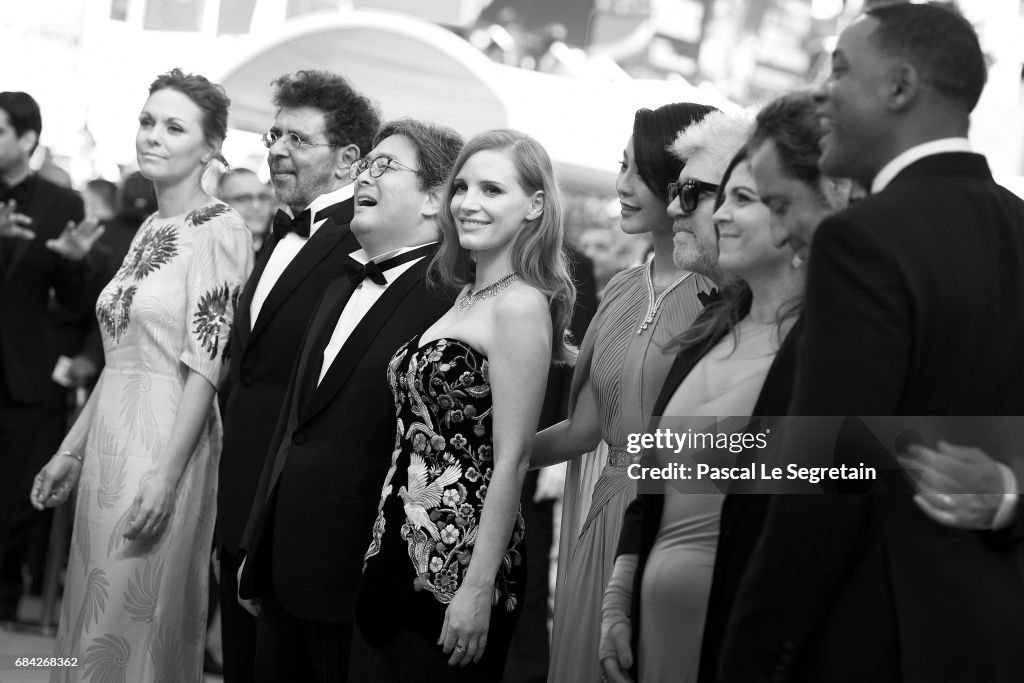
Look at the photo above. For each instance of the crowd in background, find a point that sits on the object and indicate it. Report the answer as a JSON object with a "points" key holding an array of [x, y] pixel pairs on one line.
{"points": [[393, 272]]}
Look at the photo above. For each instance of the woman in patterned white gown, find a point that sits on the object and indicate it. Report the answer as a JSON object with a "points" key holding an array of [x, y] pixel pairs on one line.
{"points": [[144, 452]]}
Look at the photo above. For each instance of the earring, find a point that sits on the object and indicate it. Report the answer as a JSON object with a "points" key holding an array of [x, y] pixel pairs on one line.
{"points": [[797, 262]]}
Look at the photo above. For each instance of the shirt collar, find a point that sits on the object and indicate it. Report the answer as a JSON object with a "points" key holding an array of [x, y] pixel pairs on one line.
{"points": [[916, 153], [329, 199], [361, 256]]}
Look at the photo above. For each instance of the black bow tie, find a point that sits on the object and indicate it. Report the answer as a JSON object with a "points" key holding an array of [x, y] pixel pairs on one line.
{"points": [[375, 271], [706, 298], [284, 224]]}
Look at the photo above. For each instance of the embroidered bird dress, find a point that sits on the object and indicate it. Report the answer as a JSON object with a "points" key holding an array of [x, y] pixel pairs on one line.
{"points": [[433, 497], [136, 611]]}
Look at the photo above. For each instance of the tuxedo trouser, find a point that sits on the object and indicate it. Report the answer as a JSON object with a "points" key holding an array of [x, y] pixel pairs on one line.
{"points": [[289, 648], [238, 627], [20, 426]]}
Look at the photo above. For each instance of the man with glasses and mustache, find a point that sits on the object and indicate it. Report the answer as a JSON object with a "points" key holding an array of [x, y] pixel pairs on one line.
{"points": [[313, 517], [320, 128]]}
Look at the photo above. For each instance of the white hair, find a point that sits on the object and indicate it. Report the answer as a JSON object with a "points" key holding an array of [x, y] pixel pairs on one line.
{"points": [[718, 134]]}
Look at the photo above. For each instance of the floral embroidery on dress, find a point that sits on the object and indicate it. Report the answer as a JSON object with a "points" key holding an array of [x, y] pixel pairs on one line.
{"points": [[443, 400], [205, 214], [114, 310], [213, 317], [156, 247]]}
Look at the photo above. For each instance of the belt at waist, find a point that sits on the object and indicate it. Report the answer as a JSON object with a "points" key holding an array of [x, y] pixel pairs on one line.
{"points": [[619, 456]]}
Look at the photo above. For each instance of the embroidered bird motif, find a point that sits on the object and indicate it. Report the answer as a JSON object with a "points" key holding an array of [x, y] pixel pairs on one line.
{"points": [[422, 496]]}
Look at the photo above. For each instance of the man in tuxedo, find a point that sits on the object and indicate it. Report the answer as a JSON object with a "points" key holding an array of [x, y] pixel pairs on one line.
{"points": [[913, 308], [34, 228], [311, 523], [321, 128]]}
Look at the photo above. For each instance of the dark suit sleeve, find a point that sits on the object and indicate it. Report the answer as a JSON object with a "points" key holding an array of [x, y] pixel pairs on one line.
{"points": [[71, 278], [857, 329], [631, 536], [808, 544], [586, 295], [257, 516]]}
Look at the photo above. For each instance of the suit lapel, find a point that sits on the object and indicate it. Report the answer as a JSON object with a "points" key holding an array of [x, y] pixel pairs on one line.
{"points": [[362, 336], [313, 252], [324, 318], [243, 315], [682, 366], [319, 337]]}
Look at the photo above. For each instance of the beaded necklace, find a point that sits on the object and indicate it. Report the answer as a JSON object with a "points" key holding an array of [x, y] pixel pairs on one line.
{"points": [[470, 298]]}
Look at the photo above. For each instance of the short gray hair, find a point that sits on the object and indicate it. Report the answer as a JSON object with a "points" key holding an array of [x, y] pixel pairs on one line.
{"points": [[718, 134]]}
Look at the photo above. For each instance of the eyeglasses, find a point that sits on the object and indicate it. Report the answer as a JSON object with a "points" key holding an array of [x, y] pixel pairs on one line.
{"points": [[689, 193], [291, 141], [377, 166]]}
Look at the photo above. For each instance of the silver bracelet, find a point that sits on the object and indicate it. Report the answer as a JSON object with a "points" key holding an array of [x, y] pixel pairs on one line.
{"points": [[76, 456]]}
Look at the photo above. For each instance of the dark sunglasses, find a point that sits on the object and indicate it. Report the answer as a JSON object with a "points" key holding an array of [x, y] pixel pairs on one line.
{"points": [[689, 193]]}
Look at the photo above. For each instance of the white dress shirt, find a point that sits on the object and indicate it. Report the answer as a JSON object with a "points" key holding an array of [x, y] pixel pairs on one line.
{"points": [[364, 296], [916, 153], [289, 246]]}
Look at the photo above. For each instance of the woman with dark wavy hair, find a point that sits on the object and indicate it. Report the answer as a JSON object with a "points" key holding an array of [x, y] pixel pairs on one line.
{"points": [[143, 454], [445, 570]]}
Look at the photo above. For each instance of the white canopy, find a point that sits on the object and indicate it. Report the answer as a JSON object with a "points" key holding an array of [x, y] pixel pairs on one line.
{"points": [[413, 68]]}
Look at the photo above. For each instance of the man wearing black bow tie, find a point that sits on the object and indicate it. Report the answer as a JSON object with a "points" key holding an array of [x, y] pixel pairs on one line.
{"points": [[322, 125], [311, 523]]}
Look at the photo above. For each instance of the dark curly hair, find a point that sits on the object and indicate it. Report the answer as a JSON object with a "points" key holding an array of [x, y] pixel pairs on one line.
{"points": [[209, 97], [351, 119]]}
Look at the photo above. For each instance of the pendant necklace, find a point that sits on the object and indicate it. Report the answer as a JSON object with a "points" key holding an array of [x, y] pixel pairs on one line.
{"points": [[654, 304], [470, 298]]}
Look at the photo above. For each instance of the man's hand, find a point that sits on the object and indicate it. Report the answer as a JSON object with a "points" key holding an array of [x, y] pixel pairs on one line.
{"points": [[959, 486], [12, 223], [76, 241]]}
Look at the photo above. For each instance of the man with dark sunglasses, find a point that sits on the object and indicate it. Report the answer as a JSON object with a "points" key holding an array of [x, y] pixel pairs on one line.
{"points": [[707, 148]]}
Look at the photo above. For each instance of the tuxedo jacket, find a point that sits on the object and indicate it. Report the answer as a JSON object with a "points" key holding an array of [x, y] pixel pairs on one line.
{"points": [[311, 522], [27, 273], [741, 514], [915, 307], [262, 357]]}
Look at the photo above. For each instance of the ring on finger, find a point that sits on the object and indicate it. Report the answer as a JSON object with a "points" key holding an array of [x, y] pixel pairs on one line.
{"points": [[459, 649]]}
